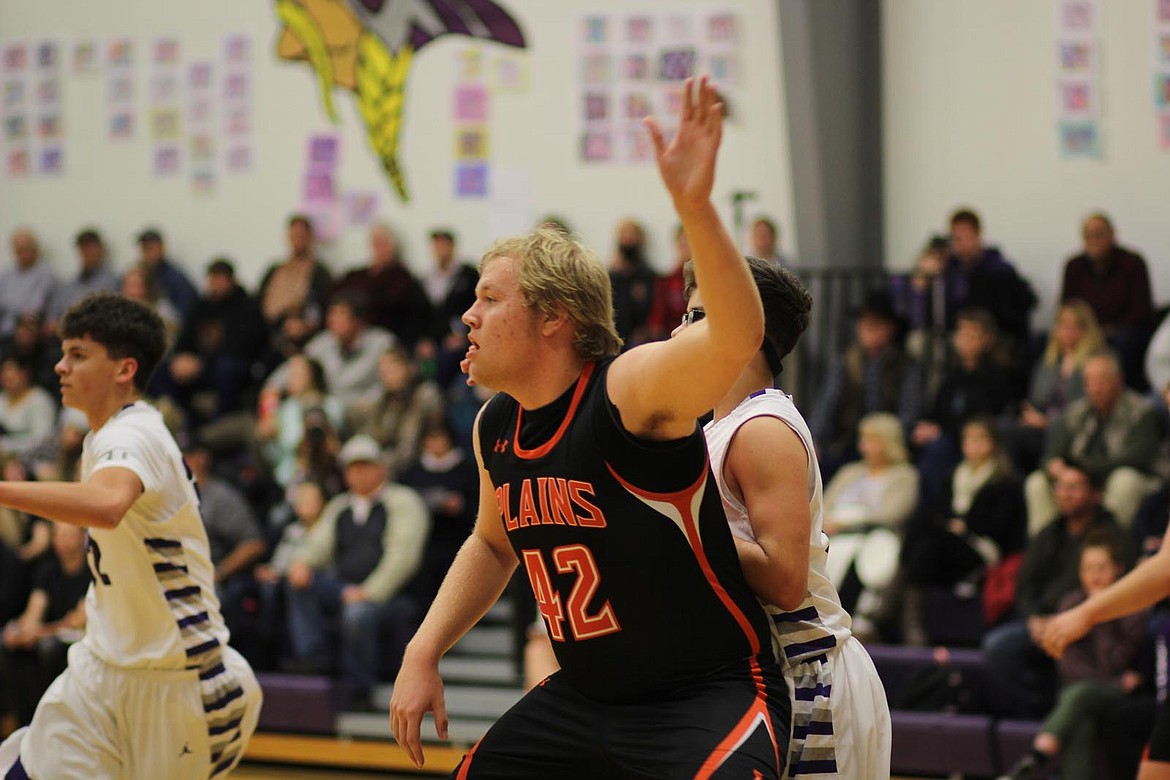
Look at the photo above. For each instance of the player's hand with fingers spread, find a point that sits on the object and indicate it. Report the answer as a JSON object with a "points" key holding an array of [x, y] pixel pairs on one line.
{"points": [[687, 165], [417, 691], [1062, 630]]}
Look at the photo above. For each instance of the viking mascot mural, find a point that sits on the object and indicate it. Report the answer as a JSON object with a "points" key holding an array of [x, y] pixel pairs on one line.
{"points": [[367, 47]]}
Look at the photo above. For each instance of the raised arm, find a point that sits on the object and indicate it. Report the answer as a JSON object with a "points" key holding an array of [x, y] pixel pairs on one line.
{"points": [[661, 388], [474, 582]]}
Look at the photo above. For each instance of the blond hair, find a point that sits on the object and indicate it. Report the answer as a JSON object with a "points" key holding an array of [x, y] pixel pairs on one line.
{"points": [[557, 273], [888, 428], [1093, 341]]}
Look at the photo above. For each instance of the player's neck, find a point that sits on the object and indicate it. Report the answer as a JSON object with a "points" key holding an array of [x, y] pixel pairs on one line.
{"points": [[755, 376], [100, 413], [547, 381]]}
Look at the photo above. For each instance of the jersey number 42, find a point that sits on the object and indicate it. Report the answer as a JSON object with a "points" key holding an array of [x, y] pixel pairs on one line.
{"points": [[568, 559]]}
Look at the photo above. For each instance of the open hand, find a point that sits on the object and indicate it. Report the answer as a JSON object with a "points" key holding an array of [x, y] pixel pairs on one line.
{"points": [[687, 164]]}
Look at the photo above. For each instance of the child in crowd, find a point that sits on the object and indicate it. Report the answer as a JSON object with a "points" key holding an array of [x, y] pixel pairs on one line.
{"points": [[1095, 672], [308, 499]]}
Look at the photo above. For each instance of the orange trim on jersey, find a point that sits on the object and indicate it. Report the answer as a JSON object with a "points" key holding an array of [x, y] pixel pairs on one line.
{"points": [[682, 500], [755, 713], [465, 767], [542, 450]]}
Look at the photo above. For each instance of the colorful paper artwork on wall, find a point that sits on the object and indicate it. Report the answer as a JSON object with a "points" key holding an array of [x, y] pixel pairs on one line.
{"points": [[1078, 81], [632, 64]]}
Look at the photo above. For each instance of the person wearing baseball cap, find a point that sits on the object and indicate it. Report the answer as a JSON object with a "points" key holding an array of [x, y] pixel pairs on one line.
{"points": [[356, 568], [874, 374]]}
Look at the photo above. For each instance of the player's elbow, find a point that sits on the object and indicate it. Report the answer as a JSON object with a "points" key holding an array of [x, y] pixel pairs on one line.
{"points": [[106, 516], [106, 510], [790, 597], [787, 593]]}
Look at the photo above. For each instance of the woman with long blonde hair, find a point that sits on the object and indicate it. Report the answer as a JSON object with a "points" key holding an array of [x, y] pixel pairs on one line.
{"points": [[1056, 380]]}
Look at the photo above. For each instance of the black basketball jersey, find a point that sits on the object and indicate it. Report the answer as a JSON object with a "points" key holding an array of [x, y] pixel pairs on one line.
{"points": [[625, 544]]}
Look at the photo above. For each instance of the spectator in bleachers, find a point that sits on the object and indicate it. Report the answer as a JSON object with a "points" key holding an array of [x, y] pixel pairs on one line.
{"points": [[1057, 381], [219, 343], [668, 304], [24, 544], [139, 283], [27, 412], [355, 566], [450, 287], [1158, 369], [23, 540], [34, 645], [874, 374], [395, 300], [766, 241], [1115, 282], [317, 455], [632, 283], [173, 283], [60, 458], [866, 506], [281, 425], [978, 382], [447, 478], [1022, 678], [235, 540], [29, 536], [463, 404], [308, 501], [348, 350], [27, 286], [28, 343], [1114, 432], [920, 299], [292, 294], [1095, 672], [980, 276], [920, 305], [94, 275], [978, 521], [407, 401]]}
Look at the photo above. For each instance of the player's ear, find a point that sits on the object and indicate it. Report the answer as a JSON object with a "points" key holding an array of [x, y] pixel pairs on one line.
{"points": [[554, 321], [127, 368]]}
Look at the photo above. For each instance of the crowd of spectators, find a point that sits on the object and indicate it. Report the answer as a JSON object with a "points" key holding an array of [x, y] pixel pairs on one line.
{"points": [[324, 417]]}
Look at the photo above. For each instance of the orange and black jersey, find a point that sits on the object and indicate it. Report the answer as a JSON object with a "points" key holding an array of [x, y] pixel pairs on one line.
{"points": [[624, 542]]}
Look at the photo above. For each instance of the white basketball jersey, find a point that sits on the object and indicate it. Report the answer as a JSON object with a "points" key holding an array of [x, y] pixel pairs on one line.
{"points": [[820, 622], [152, 603]]}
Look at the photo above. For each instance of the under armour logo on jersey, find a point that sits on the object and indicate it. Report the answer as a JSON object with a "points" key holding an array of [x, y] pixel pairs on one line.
{"points": [[501, 445], [186, 751]]}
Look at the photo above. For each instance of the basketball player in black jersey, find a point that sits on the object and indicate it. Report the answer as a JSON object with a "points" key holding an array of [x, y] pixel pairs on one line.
{"points": [[594, 477]]}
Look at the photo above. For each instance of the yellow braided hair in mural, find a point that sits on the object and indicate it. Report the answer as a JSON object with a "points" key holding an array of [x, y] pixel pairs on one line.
{"points": [[381, 90], [305, 28]]}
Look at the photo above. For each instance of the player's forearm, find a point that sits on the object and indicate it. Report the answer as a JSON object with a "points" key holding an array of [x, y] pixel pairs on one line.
{"points": [[473, 584], [1143, 587], [75, 503], [769, 577], [735, 316]]}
